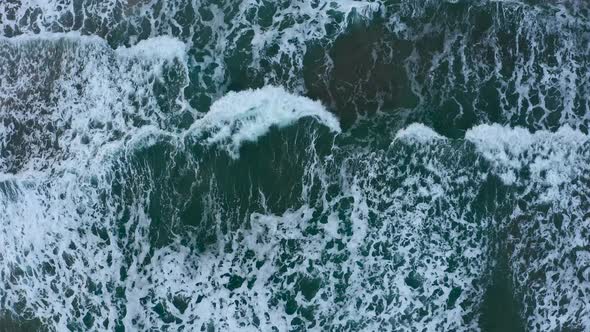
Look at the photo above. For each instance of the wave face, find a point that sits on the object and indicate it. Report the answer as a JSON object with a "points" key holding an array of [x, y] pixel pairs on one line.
{"points": [[291, 166]]}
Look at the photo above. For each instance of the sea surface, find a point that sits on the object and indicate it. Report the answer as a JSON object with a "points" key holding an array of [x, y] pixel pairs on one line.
{"points": [[294, 165]]}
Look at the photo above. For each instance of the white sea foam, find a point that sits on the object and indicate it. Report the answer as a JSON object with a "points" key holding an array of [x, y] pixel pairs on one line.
{"points": [[551, 157], [418, 133], [74, 36], [245, 116], [162, 47]]}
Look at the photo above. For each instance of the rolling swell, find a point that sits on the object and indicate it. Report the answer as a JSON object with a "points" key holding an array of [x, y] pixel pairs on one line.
{"points": [[257, 165]]}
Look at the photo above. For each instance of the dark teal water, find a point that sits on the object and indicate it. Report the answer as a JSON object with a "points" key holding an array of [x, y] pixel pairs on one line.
{"points": [[294, 165]]}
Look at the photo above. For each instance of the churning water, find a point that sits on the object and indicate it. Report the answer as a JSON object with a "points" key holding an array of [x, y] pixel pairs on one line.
{"points": [[214, 165]]}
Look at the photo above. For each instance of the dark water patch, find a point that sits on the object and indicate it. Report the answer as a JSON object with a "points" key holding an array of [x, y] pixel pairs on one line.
{"points": [[361, 72], [500, 310], [9, 324]]}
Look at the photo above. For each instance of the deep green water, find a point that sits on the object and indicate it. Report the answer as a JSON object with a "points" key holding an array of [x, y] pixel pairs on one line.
{"points": [[312, 165]]}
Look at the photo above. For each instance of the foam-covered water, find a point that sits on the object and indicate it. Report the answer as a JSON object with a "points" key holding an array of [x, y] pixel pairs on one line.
{"points": [[303, 165]]}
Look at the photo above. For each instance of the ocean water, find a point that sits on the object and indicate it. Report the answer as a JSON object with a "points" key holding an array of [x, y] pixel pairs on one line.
{"points": [[303, 165]]}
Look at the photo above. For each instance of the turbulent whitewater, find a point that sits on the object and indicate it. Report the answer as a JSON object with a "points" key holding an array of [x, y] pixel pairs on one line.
{"points": [[290, 166]]}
